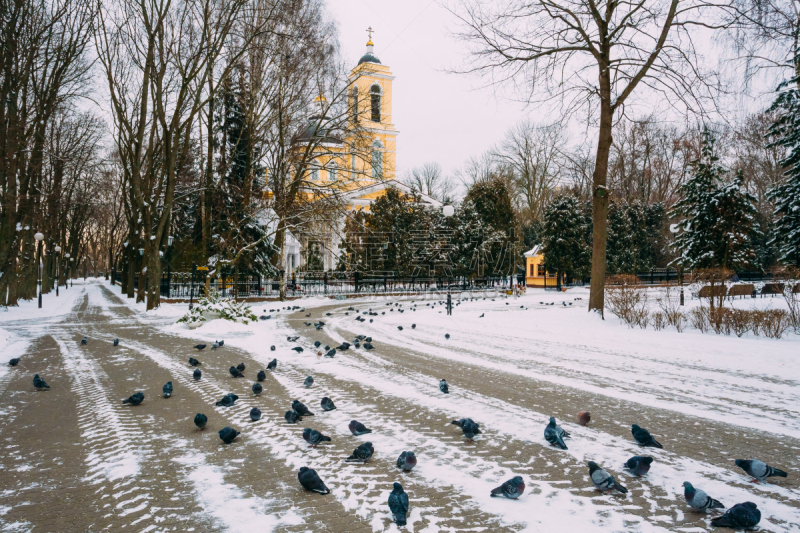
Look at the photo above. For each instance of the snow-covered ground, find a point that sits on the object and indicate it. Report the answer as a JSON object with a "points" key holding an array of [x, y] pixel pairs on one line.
{"points": [[511, 363]]}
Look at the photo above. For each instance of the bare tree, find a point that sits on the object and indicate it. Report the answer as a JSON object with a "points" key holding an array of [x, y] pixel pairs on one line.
{"points": [[429, 179], [592, 55]]}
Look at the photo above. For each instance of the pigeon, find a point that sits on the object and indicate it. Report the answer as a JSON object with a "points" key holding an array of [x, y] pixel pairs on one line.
{"points": [[272, 365], [469, 427], [197, 374], [308, 382], [255, 414], [603, 480], [84, 341], [553, 436], [200, 346], [644, 438], [362, 454], [413, 326], [443, 386], [327, 404], [512, 489], [368, 346], [301, 409], [261, 376], [240, 366], [116, 342], [741, 516], [330, 353], [481, 315], [257, 388], [584, 418], [167, 389], [310, 481], [221, 343], [235, 372], [292, 339], [446, 335], [227, 434], [272, 348], [400, 328], [314, 437], [298, 349], [214, 346], [357, 428], [39, 383], [14, 362], [292, 417], [638, 465], [194, 362], [759, 469], [135, 399], [317, 344], [200, 420], [327, 347], [227, 400], [407, 461], [699, 500], [398, 504], [344, 346]]}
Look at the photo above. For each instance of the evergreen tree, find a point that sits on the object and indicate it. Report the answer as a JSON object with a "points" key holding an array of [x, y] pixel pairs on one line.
{"points": [[565, 237], [786, 196], [491, 201], [718, 219]]}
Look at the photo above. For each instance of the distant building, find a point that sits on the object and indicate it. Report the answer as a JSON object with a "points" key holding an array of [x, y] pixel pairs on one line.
{"points": [[535, 275]]}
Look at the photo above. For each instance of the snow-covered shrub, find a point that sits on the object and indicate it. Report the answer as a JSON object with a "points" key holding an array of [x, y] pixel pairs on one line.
{"points": [[775, 323], [627, 299], [658, 320], [741, 321], [793, 303], [215, 306], [699, 318]]}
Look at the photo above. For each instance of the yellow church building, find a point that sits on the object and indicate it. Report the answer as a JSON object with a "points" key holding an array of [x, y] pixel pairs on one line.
{"points": [[369, 172]]}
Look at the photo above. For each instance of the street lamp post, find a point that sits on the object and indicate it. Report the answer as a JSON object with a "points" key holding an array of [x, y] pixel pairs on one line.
{"points": [[58, 251], [675, 229], [39, 238], [448, 211], [69, 272]]}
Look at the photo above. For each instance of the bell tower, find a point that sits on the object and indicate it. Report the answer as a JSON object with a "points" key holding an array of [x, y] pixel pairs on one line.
{"points": [[370, 101]]}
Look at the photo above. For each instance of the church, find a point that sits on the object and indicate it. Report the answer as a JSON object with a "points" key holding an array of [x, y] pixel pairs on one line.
{"points": [[370, 113]]}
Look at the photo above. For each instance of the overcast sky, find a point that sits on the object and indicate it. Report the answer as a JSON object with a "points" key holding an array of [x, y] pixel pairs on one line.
{"points": [[441, 117]]}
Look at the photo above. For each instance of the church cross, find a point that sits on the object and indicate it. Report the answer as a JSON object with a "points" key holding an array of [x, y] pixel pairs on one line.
{"points": [[369, 31]]}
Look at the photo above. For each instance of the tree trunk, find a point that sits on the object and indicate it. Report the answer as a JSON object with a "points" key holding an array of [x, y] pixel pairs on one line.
{"points": [[153, 276], [600, 197]]}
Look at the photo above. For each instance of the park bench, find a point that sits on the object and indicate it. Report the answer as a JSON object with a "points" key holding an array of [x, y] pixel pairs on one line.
{"points": [[744, 290], [772, 289], [718, 290]]}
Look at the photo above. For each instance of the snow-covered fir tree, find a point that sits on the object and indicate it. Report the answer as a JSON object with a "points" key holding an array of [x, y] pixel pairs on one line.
{"points": [[565, 237], [786, 196]]}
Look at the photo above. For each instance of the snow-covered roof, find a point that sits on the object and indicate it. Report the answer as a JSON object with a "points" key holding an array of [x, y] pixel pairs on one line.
{"points": [[533, 252], [381, 185]]}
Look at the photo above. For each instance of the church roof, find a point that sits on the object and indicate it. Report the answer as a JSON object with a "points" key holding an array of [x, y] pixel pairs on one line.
{"points": [[315, 131], [369, 58]]}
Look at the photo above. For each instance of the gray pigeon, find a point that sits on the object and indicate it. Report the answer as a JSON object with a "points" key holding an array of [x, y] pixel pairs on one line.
{"points": [[314, 437], [235, 372], [255, 414], [84, 341], [741, 516], [200, 420], [39, 383], [261, 375], [240, 366], [446, 335], [443, 386], [301, 409], [759, 469], [331, 353], [297, 349], [357, 428], [552, 435], [639, 465], [469, 427], [368, 346], [604, 481], [197, 374], [644, 438], [327, 404], [512, 489], [14, 362], [227, 434], [214, 346], [317, 344], [362, 454], [135, 399], [407, 461], [310, 481], [292, 417], [200, 346], [116, 342], [167, 389], [272, 365], [227, 400], [699, 500], [308, 382], [292, 339], [194, 362], [272, 348], [221, 343], [398, 504], [257, 388]]}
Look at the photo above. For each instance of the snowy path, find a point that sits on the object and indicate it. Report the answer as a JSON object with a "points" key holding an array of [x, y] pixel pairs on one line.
{"points": [[105, 466]]}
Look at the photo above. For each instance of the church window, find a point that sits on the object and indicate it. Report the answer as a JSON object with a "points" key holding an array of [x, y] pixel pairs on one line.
{"points": [[354, 104], [375, 99], [315, 174], [332, 172], [377, 160]]}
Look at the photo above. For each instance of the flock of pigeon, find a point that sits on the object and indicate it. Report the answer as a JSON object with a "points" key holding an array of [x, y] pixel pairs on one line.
{"points": [[741, 516]]}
